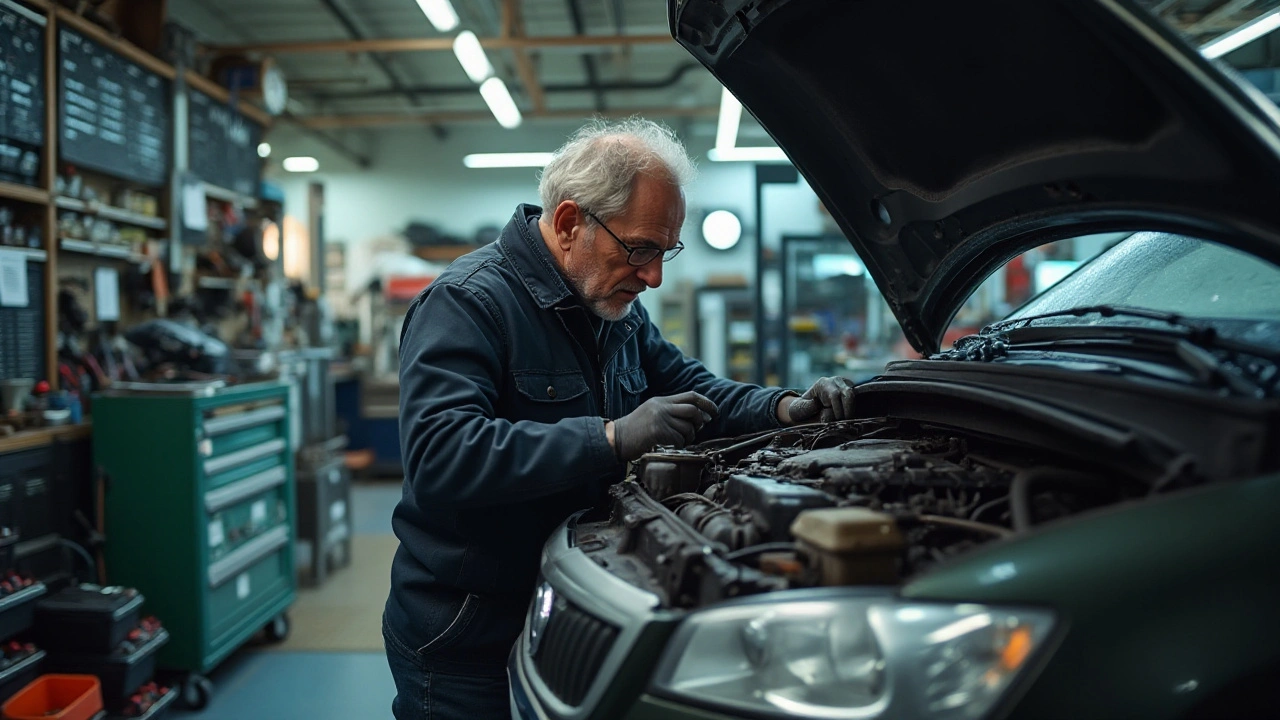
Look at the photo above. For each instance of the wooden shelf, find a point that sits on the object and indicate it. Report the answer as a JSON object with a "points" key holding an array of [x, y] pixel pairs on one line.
{"points": [[31, 253], [25, 193], [231, 196], [112, 213], [39, 437], [106, 250], [442, 253]]}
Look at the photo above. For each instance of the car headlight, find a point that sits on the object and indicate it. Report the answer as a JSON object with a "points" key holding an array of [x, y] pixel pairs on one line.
{"points": [[852, 657]]}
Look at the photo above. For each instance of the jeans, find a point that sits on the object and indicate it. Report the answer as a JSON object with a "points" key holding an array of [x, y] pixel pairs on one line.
{"points": [[432, 684]]}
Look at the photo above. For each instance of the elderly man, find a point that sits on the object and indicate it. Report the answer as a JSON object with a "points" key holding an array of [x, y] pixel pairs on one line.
{"points": [[529, 376]]}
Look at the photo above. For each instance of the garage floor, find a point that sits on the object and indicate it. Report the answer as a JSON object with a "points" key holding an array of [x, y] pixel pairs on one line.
{"points": [[332, 665]]}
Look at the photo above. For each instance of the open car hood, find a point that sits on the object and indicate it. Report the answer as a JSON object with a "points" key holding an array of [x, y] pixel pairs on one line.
{"points": [[947, 137]]}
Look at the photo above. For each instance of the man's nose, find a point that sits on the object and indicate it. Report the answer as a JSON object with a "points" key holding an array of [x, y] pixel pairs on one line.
{"points": [[651, 274]]}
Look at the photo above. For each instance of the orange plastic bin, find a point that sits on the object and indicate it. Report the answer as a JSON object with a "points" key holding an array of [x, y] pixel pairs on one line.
{"points": [[56, 697]]}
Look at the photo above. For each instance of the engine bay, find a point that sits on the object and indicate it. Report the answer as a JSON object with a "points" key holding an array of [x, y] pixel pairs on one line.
{"points": [[866, 502]]}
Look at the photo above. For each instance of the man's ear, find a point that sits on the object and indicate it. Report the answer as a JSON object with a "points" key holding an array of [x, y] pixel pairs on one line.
{"points": [[567, 218]]}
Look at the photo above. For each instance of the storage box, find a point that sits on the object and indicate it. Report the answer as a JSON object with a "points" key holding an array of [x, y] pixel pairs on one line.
{"points": [[20, 674], [56, 697], [18, 609], [87, 619], [158, 709], [121, 673], [8, 543]]}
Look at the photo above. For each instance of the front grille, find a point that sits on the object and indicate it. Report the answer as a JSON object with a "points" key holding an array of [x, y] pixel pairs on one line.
{"points": [[573, 647]]}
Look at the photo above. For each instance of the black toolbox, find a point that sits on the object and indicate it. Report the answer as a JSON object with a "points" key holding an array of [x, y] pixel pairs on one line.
{"points": [[157, 709], [17, 670], [122, 672], [17, 609], [87, 619]]}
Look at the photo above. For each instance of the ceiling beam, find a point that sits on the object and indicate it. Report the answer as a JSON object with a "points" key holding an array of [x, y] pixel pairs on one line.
{"points": [[362, 161], [393, 45], [1219, 17], [675, 76], [354, 31], [319, 122], [588, 61], [513, 26]]}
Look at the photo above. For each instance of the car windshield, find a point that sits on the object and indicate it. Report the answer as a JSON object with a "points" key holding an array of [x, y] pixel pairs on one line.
{"points": [[1233, 292]]}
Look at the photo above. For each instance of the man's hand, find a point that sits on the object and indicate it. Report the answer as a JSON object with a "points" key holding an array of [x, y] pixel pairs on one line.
{"points": [[831, 398], [672, 420]]}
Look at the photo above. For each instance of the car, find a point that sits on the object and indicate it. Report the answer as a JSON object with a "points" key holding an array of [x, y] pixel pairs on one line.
{"points": [[1070, 513]]}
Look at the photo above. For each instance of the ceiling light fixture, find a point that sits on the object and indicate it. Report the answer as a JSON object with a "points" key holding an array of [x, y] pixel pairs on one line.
{"points": [[467, 48], [264, 149], [747, 154], [507, 160], [1242, 35], [730, 118], [301, 164], [440, 13], [496, 96]]}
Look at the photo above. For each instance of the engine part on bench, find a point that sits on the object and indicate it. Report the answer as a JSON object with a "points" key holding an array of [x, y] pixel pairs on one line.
{"points": [[850, 545]]}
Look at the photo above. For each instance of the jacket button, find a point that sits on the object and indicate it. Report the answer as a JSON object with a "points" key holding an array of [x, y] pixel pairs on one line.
{"points": [[627, 327], [551, 392]]}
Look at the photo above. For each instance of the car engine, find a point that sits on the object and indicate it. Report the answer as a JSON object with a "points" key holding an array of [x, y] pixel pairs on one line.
{"points": [[867, 502]]}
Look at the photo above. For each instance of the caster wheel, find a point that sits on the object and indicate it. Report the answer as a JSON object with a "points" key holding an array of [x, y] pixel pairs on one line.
{"points": [[196, 692], [277, 629]]}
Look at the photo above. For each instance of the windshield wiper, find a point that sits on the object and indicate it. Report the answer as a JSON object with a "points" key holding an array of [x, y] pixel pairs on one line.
{"points": [[1200, 332]]}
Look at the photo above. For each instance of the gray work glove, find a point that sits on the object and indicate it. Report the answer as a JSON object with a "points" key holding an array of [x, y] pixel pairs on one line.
{"points": [[831, 398], [672, 420]]}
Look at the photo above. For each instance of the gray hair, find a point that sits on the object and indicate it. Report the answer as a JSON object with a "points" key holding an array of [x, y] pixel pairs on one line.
{"points": [[597, 167]]}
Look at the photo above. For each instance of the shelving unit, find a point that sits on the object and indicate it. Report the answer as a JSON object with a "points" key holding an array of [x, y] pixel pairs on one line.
{"points": [[106, 250], [231, 196], [115, 214]]}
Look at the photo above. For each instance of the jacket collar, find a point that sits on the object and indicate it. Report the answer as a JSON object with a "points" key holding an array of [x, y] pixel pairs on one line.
{"points": [[524, 246]]}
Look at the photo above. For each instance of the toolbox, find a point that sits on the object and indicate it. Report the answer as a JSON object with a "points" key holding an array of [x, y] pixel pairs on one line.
{"points": [[87, 618], [123, 671], [8, 544], [18, 608], [150, 702], [213, 476], [56, 697], [18, 668]]}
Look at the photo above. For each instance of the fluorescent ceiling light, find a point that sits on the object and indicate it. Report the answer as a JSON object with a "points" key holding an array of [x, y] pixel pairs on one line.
{"points": [[1242, 35], [301, 164], [746, 154], [507, 160], [495, 95], [440, 13], [467, 47], [730, 118], [264, 149]]}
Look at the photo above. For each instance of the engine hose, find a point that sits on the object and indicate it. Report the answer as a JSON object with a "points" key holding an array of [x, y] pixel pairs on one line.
{"points": [[1020, 490], [747, 552], [984, 528]]}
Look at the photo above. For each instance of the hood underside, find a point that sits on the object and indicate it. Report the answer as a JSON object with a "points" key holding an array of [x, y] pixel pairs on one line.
{"points": [[947, 137]]}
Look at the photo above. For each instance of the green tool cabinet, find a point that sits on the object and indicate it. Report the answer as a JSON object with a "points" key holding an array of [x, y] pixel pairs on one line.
{"points": [[200, 515]]}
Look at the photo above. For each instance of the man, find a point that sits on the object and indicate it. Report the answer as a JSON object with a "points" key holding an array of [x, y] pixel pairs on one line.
{"points": [[529, 376]]}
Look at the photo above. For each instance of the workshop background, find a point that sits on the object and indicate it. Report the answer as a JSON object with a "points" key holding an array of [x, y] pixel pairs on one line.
{"points": [[214, 214]]}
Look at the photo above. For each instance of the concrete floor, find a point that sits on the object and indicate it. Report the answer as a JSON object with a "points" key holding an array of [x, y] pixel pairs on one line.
{"points": [[256, 684]]}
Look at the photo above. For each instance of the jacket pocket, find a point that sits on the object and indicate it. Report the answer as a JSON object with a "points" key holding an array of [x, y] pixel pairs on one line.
{"points": [[633, 381], [543, 386], [454, 629]]}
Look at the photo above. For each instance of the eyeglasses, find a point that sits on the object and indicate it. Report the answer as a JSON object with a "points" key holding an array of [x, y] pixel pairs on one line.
{"points": [[642, 255]]}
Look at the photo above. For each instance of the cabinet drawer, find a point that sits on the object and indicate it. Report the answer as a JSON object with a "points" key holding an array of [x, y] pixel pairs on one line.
{"points": [[271, 452], [240, 583]]}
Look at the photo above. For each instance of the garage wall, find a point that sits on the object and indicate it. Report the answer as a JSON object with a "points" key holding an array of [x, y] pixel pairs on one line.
{"points": [[415, 176]]}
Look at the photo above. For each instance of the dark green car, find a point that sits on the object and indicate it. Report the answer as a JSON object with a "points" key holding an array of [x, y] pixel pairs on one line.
{"points": [[1071, 513]]}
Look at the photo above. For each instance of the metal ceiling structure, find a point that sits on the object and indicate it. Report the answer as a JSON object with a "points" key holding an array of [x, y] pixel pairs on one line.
{"points": [[374, 63]]}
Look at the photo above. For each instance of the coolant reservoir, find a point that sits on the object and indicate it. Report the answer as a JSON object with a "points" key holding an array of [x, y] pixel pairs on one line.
{"points": [[850, 545]]}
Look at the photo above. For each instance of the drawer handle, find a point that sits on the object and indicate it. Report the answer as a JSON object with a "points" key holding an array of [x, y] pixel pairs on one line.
{"points": [[213, 466], [248, 554], [224, 497], [231, 423]]}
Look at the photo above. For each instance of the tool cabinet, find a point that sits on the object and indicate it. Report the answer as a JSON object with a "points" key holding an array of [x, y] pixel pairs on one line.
{"points": [[200, 514]]}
